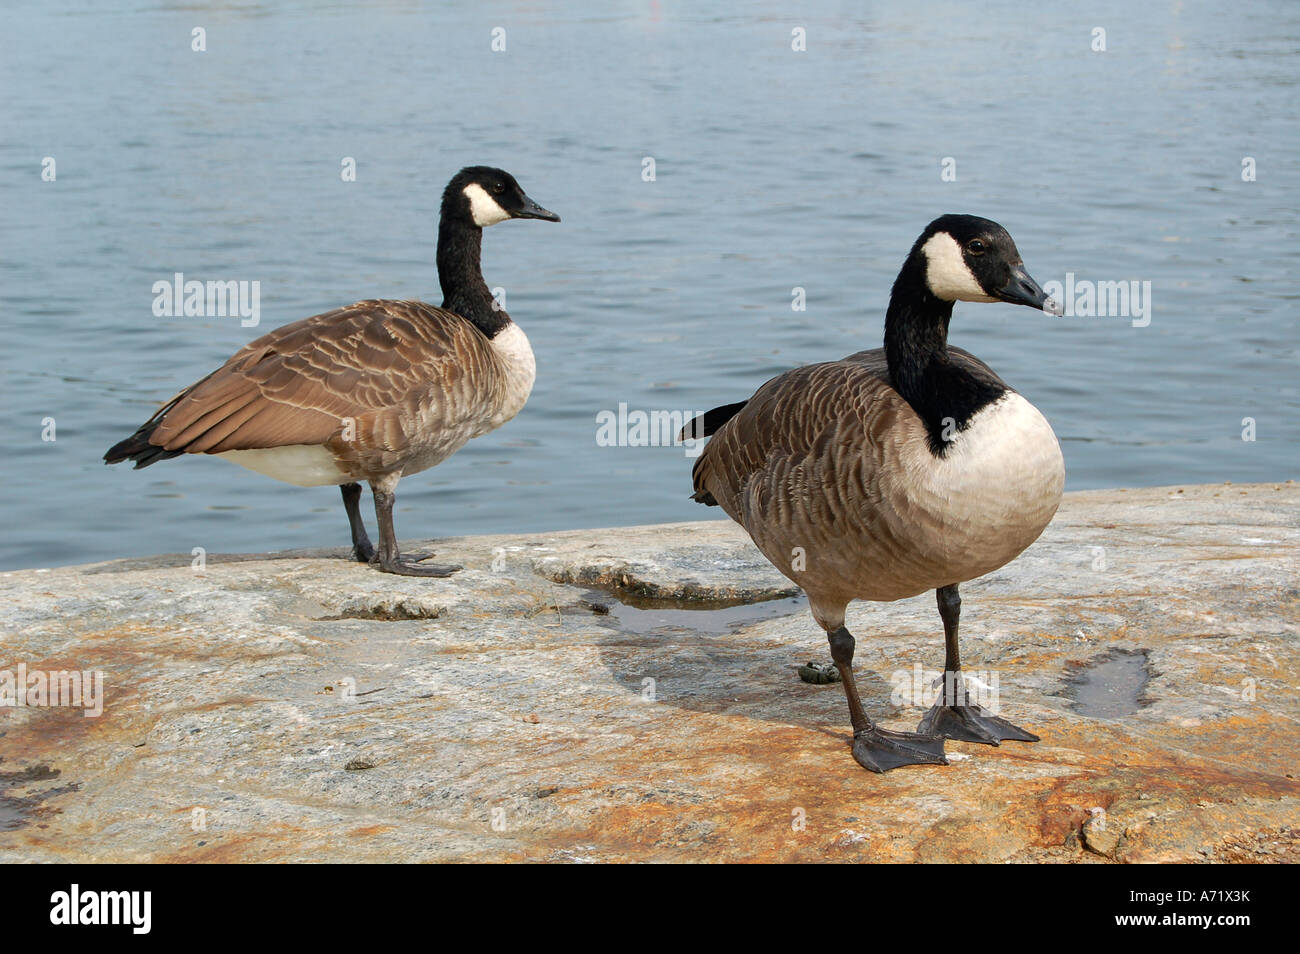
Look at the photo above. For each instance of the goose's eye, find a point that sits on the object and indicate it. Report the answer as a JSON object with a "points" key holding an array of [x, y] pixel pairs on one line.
{"points": [[499, 188], [975, 247]]}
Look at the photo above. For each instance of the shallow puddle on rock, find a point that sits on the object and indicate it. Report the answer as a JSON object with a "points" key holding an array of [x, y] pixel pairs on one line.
{"points": [[15, 812], [1109, 686], [643, 616], [11, 815]]}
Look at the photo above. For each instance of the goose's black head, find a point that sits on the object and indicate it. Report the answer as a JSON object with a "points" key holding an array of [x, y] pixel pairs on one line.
{"points": [[483, 196], [967, 258]]}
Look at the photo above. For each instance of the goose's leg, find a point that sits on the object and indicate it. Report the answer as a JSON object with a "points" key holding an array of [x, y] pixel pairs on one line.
{"points": [[362, 548], [875, 748], [953, 715], [387, 557]]}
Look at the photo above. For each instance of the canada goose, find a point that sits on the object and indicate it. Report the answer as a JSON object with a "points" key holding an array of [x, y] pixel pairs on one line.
{"points": [[373, 391], [896, 471]]}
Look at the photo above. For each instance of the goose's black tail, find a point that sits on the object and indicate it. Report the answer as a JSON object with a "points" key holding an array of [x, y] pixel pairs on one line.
{"points": [[707, 424], [137, 447]]}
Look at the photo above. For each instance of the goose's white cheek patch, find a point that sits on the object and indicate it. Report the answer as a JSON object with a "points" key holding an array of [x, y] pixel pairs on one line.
{"points": [[482, 207], [946, 271]]}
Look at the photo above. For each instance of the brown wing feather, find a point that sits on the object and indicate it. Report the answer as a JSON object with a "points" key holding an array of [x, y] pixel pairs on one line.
{"points": [[375, 363], [792, 417], [794, 412]]}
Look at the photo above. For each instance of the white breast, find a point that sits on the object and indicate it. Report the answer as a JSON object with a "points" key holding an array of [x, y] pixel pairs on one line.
{"points": [[516, 354], [998, 485]]}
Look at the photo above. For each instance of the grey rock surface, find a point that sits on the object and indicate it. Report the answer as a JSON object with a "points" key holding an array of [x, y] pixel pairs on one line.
{"points": [[633, 695]]}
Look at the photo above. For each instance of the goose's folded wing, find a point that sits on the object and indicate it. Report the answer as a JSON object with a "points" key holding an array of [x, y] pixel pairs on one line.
{"points": [[369, 365], [803, 434]]}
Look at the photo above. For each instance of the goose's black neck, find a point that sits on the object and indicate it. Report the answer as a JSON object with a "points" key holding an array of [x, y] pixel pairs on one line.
{"points": [[944, 395], [460, 272]]}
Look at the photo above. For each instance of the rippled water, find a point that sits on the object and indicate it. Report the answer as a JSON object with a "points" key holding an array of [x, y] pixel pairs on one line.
{"points": [[774, 169]]}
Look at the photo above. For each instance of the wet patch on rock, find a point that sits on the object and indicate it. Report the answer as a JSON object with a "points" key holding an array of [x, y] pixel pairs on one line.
{"points": [[1111, 685], [644, 615], [17, 811]]}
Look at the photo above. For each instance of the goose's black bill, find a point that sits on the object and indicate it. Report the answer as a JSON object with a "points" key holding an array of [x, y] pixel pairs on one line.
{"points": [[1021, 289], [531, 210]]}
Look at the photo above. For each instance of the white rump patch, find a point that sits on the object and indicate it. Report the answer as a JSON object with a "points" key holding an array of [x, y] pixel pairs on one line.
{"points": [[947, 273], [484, 209], [304, 465]]}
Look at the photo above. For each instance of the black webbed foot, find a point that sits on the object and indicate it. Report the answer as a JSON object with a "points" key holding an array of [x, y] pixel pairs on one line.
{"points": [[880, 750], [971, 723], [403, 567]]}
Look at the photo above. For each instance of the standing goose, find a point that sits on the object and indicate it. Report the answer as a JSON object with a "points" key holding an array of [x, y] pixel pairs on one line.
{"points": [[373, 391], [896, 471]]}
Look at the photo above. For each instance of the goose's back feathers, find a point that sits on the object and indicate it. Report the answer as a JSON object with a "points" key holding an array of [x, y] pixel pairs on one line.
{"points": [[788, 413], [385, 387], [829, 456]]}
